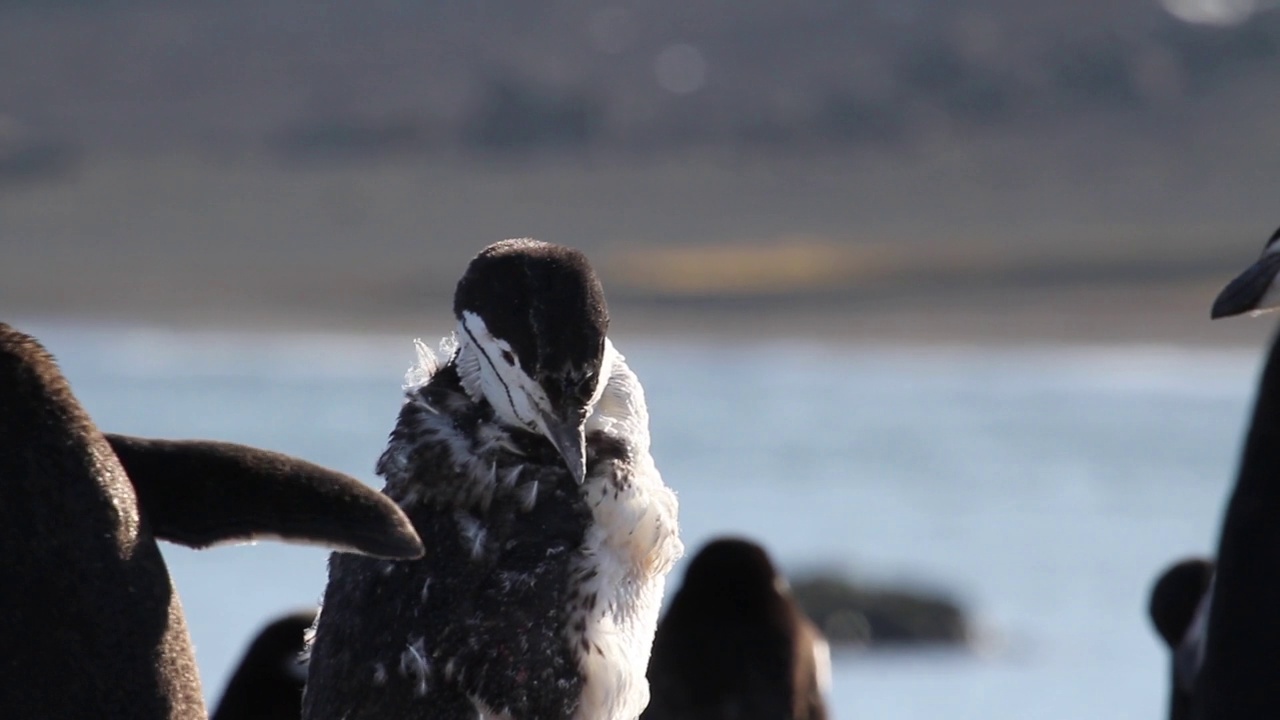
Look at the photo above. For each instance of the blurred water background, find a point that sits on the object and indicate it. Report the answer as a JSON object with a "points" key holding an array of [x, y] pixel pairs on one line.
{"points": [[1041, 487]]}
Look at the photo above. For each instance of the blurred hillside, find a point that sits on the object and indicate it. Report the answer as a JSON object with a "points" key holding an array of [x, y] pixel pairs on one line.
{"points": [[340, 161], [392, 77]]}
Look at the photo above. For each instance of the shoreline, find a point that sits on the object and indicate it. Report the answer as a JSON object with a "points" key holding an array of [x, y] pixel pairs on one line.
{"points": [[1172, 314], [840, 248]]}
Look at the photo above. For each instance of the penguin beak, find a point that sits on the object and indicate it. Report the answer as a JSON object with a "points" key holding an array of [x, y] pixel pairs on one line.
{"points": [[570, 440], [1248, 291]]}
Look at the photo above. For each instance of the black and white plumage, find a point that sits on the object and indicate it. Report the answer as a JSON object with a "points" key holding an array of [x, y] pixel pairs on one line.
{"points": [[1179, 610], [735, 644], [523, 460], [1255, 290]]}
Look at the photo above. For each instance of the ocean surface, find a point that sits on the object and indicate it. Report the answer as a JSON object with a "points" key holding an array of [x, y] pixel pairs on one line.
{"points": [[1041, 487]]}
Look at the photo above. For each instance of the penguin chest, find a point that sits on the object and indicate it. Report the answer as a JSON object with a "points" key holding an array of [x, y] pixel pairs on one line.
{"points": [[627, 550]]}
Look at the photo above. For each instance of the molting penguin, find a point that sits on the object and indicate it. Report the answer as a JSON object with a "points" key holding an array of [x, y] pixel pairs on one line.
{"points": [[735, 645], [1242, 643], [1179, 610], [1255, 290], [268, 683], [89, 620], [523, 460]]}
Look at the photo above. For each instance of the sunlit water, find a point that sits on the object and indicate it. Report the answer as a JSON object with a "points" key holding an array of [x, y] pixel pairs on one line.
{"points": [[1043, 488]]}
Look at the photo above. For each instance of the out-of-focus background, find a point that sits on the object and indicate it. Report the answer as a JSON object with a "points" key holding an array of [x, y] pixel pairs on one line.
{"points": [[919, 289], [1041, 169]]}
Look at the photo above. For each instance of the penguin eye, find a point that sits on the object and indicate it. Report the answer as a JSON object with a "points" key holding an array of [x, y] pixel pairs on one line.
{"points": [[578, 386], [508, 357]]}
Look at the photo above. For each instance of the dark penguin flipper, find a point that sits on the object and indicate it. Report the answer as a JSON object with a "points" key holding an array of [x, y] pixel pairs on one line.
{"points": [[1177, 608], [269, 681], [200, 493], [1245, 292]]}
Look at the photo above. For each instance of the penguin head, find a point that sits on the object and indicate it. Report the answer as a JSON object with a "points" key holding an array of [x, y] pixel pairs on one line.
{"points": [[1175, 596], [533, 316]]}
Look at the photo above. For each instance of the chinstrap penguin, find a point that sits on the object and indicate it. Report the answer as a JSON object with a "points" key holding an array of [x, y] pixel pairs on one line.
{"points": [[1179, 611], [267, 685], [735, 645], [90, 623], [522, 457]]}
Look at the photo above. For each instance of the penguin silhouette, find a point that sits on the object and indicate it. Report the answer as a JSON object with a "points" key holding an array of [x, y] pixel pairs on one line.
{"points": [[90, 622]]}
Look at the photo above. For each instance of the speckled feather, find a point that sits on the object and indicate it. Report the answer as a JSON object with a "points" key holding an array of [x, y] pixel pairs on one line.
{"points": [[528, 582]]}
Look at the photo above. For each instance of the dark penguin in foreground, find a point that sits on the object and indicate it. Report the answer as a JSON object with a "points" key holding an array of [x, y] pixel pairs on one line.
{"points": [[267, 685], [1179, 610], [90, 623], [735, 645], [523, 460], [1238, 677], [1255, 290]]}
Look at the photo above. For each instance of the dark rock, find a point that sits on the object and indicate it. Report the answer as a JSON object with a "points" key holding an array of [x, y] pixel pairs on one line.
{"points": [[851, 614]]}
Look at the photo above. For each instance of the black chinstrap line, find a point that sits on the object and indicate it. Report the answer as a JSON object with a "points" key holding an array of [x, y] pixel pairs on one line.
{"points": [[510, 400]]}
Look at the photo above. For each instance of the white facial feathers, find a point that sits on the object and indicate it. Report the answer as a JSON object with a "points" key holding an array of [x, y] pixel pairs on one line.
{"points": [[516, 398], [492, 371]]}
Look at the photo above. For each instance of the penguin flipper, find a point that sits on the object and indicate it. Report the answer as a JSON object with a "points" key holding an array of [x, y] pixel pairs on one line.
{"points": [[200, 493]]}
